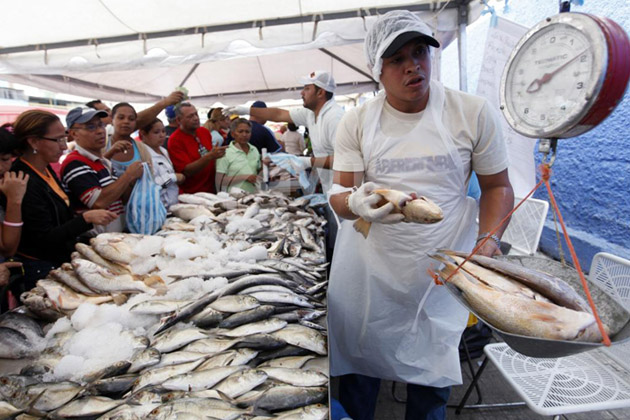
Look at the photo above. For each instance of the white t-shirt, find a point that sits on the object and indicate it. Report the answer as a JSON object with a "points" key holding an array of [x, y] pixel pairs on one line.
{"points": [[322, 132], [469, 119], [164, 176], [293, 142]]}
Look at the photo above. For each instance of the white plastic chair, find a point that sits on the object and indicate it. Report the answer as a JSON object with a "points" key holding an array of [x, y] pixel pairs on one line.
{"points": [[612, 275], [525, 227], [596, 380]]}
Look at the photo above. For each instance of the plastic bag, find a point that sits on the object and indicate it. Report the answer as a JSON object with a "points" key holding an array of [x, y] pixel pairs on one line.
{"points": [[145, 212], [293, 165], [316, 200]]}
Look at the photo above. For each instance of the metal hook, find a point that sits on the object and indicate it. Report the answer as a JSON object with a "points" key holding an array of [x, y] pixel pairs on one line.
{"points": [[547, 146]]}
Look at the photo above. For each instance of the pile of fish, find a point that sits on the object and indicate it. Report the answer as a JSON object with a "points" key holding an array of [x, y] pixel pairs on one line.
{"points": [[221, 314], [519, 300]]}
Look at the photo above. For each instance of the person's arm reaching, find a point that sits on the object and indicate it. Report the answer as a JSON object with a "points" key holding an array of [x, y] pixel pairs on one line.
{"points": [[119, 188], [225, 181], [147, 115], [270, 114], [497, 200], [197, 166], [316, 162]]}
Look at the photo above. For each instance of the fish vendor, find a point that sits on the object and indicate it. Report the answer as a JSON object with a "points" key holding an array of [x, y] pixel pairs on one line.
{"points": [[320, 115], [415, 136]]}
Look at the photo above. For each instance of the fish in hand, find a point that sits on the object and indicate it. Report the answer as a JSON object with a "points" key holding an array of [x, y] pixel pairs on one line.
{"points": [[416, 209]]}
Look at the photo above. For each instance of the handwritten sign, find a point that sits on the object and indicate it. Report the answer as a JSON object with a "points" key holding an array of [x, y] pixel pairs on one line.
{"points": [[499, 45]]}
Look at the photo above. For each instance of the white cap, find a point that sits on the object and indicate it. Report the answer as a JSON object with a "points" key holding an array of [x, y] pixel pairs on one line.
{"points": [[320, 78], [393, 29]]}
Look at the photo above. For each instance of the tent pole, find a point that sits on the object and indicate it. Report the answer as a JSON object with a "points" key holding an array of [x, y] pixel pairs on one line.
{"points": [[190, 73], [307, 18], [462, 12], [347, 64]]}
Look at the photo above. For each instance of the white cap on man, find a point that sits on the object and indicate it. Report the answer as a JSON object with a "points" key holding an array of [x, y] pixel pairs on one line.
{"points": [[321, 79], [389, 33]]}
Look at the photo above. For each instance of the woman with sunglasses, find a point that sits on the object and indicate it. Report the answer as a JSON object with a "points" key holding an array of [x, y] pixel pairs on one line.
{"points": [[51, 228]]}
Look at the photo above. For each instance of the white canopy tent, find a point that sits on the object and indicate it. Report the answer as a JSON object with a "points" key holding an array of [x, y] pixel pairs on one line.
{"points": [[220, 51]]}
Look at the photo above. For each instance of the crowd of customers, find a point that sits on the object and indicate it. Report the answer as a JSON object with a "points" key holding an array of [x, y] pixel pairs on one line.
{"points": [[51, 227], [64, 183]]}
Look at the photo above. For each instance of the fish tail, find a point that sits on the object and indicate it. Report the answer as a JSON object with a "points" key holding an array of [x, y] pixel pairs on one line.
{"points": [[156, 282], [446, 272], [434, 275], [256, 411], [119, 298], [226, 398], [451, 252], [363, 227], [31, 410], [441, 259]]}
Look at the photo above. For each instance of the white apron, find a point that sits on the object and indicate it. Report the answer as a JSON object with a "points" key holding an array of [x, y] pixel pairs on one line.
{"points": [[385, 317]]}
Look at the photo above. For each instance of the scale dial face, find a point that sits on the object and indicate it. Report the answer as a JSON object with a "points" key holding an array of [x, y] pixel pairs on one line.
{"points": [[554, 75]]}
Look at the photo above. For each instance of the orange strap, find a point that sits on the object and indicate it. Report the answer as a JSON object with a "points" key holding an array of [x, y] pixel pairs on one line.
{"points": [[545, 170], [546, 174], [50, 180], [492, 232]]}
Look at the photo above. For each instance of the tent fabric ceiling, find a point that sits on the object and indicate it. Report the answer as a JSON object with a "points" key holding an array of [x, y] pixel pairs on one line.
{"points": [[139, 51]]}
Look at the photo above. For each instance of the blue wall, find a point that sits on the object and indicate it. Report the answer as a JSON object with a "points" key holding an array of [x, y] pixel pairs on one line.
{"points": [[591, 175]]}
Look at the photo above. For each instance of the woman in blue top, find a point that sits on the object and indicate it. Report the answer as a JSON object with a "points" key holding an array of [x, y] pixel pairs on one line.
{"points": [[124, 150], [153, 135]]}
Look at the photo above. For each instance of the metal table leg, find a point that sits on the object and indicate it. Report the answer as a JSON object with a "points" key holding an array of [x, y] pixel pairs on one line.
{"points": [[472, 385]]}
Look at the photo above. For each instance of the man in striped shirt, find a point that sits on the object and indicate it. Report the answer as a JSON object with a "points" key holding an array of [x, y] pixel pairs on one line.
{"points": [[87, 175]]}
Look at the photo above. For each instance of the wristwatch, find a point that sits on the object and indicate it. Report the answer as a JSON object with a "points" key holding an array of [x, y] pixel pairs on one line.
{"points": [[494, 237]]}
